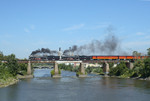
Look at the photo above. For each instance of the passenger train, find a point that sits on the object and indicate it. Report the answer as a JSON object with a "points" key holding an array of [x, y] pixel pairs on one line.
{"points": [[88, 58]]}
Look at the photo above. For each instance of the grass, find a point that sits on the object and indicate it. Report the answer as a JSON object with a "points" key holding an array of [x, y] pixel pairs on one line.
{"points": [[8, 81], [53, 72]]}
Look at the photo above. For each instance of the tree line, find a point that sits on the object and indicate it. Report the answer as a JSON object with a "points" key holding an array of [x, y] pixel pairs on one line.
{"points": [[11, 68], [141, 68]]}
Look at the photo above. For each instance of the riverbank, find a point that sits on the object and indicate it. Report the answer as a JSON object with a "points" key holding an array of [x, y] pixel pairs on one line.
{"points": [[8, 82], [24, 76], [12, 80], [119, 77]]}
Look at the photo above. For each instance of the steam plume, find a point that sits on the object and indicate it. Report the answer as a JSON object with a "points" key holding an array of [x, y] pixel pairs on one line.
{"points": [[109, 46], [43, 52]]}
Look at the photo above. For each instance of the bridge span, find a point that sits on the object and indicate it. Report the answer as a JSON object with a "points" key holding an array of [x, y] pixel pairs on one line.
{"points": [[72, 61], [82, 66]]}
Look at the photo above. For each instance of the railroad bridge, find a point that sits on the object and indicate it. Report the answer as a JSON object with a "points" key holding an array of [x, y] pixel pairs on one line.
{"points": [[82, 66]]}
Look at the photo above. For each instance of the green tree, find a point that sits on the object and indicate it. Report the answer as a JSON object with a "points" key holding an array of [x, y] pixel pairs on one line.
{"points": [[22, 68], [145, 72], [148, 53], [89, 69], [4, 71], [12, 64], [138, 66], [98, 70], [119, 70], [1, 56], [135, 53], [111, 65]]}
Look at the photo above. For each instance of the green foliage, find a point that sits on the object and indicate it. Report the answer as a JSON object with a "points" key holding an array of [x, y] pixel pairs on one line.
{"points": [[79, 73], [128, 73], [111, 65], [119, 70], [11, 68], [4, 73], [22, 68], [1, 56], [94, 70], [52, 72], [141, 69], [75, 69], [145, 72], [89, 69], [65, 67], [12, 64], [68, 67], [59, 70], [98, 70], [42, 64], [148, 51], [138, 66], [135, 53]]}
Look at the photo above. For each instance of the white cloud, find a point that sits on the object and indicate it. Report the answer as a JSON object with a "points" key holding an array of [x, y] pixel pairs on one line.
{"points": [[32, 27], [99, 26], [75, 27], [137, 43], [140, 33], [143, 35], [26, 30], [147, 37], [29, 29]]}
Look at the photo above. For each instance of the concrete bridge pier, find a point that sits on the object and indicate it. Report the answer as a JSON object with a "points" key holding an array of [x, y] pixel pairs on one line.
{"points": [[130, 65], [82, 71], [74, 65], [106, 68], [56, 68], [29, 71], [56, 71]]}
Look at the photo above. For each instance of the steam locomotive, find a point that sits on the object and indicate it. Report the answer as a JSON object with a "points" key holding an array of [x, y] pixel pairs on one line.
{"points": [[88, 58]]}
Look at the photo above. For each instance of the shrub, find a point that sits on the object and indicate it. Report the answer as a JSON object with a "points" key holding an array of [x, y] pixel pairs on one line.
{"points": [[119, 70], [59, 71], [94, 70], [89, 69], [145, 72], [111, 65], [98, 70], [52, 72], [79, 73]]}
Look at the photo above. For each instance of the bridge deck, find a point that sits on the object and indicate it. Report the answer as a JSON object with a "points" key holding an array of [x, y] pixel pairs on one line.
{"points": [[83, 61]]}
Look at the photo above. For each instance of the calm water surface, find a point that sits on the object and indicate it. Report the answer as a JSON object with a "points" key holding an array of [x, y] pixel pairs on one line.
{"points": [[71, 88]]}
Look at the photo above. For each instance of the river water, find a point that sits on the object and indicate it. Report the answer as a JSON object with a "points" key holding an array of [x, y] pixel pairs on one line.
{"points": [[71, 88]]}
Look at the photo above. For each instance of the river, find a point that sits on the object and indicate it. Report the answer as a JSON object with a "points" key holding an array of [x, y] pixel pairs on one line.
{"points": [[70, 88]]}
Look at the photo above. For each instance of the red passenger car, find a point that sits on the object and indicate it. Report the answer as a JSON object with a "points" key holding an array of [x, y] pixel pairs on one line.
{"points": [[122, 57]]}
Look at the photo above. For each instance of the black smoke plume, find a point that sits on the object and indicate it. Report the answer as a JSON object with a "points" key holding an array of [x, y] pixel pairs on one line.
{"points": [[43, 52], [109, 46]]}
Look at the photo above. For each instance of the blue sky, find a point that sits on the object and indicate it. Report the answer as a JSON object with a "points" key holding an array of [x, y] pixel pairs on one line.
{"points": [[26, 25]]}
